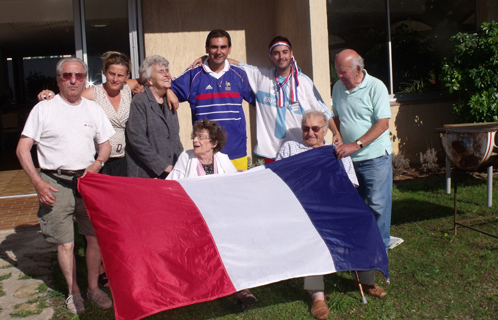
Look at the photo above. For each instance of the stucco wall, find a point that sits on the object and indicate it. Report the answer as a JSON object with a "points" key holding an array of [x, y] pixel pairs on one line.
{"points": [[177, 30], [412, 127]]}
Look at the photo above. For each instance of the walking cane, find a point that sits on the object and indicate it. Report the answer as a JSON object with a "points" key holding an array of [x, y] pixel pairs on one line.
{"points": [[363, 299]]}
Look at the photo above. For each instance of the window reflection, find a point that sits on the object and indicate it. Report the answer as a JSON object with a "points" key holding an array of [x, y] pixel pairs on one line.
{"points": [[420, 36], [106, 26], [360, 25], [421, 33]]}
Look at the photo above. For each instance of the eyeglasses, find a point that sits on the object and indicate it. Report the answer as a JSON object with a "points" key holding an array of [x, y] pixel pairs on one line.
{"points": [[69, 75], [315, 129], [200, 137]]}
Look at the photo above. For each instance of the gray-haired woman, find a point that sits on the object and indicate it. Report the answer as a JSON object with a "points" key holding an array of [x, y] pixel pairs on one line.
{"points": [[153, 130]]}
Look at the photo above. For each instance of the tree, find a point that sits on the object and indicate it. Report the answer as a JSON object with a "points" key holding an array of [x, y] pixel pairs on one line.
{"points": [[472, 75]]}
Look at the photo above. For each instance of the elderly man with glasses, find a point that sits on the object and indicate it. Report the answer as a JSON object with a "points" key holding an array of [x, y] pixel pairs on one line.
{"points": [[314, 126], [67, 130]]}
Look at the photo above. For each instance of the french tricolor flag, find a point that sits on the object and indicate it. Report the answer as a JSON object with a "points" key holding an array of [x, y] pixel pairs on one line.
{"points": [[167, 244]]}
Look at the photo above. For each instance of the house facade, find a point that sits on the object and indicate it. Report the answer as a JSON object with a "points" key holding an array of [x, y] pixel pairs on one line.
{"points": [[403, 43]]}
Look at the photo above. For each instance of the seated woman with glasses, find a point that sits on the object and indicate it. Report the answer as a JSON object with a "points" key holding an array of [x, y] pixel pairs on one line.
{"points": [[208, 138]]}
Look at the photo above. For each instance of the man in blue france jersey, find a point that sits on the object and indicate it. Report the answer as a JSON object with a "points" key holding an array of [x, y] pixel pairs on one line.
{"points": [[215, 90]]}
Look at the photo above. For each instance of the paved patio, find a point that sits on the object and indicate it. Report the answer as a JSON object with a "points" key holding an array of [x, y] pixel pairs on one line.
{"points": [[18, 201], [22, 248]]}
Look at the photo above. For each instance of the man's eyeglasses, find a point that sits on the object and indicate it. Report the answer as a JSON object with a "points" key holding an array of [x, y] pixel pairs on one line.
{"points": [[69, 75], [315, 129], [200, 137]]}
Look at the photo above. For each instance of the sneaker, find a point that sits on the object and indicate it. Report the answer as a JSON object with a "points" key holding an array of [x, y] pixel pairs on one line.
{"points": [[99, 297], [74, 303]]}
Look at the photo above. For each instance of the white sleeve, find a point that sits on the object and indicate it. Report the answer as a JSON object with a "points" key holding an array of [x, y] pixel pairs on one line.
{"points": [[284, 151], [348, 166], [33, 126], [224, 163], [253, 75], [180, 168]]}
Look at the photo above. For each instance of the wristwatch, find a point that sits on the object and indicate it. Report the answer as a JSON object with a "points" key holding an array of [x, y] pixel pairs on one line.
{"points": [[358, 142], [101, 163]]}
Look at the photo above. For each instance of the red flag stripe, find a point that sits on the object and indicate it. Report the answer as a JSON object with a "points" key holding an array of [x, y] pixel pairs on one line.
{"points": [[159, 243]]}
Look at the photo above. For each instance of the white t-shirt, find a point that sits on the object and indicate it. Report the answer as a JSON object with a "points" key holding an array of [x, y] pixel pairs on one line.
{"points": [[66, 134]]}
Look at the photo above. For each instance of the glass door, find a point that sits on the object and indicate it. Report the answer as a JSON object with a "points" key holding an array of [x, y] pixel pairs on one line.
{"points": [[106, 29]]}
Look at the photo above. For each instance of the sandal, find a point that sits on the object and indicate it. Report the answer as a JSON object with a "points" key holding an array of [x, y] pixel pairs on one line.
{"points": [[103, 281]]}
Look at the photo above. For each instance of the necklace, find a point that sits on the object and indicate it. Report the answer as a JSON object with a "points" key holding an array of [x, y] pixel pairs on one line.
{"points": [[220, 83]]}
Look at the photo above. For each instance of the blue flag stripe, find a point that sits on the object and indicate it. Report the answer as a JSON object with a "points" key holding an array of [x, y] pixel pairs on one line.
{"points": [[341, 217]]}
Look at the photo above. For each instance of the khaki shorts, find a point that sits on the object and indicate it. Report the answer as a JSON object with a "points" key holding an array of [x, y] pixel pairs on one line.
{"points": [[56, 222]]}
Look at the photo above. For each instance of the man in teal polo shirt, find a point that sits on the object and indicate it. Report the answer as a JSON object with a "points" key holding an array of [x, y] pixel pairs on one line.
{"points": [[362, 112]]}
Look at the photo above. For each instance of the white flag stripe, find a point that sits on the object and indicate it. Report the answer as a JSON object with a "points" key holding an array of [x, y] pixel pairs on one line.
{"points": [[249, 213]]}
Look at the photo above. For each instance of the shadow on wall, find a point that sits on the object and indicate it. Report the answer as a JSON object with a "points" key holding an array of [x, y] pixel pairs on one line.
{"points": [[413, 124]]}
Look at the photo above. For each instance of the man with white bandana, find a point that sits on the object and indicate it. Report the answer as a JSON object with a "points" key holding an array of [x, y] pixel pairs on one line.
{"points": [[283, 93]]}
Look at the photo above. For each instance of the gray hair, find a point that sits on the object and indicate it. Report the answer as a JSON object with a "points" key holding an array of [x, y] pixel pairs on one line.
{"points": [[145, 69], [358, 61], [314, 114], [58, 66], [355, 62]]}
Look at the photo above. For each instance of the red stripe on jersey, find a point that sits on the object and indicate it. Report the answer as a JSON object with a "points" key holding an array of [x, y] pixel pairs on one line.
{"points": [[217, 95]]}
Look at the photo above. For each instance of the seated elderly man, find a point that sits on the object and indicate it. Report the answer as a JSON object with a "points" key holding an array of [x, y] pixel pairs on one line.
{"points": [[314, 125]]}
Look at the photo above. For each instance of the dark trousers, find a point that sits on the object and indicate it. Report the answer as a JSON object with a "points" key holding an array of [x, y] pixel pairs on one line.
{"points": [[115, 167], [366, 277]]}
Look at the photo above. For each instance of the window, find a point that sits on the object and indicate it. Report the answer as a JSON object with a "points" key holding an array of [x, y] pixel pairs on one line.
{"points": [[362, 26], [420, 32], [106, 28]]}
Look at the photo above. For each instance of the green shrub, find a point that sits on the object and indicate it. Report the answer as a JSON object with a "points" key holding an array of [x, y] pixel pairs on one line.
{"points": [[472, 74]]}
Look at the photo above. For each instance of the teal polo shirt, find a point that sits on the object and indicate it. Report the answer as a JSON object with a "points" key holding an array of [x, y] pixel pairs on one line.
{"points": [[358, 110]]}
